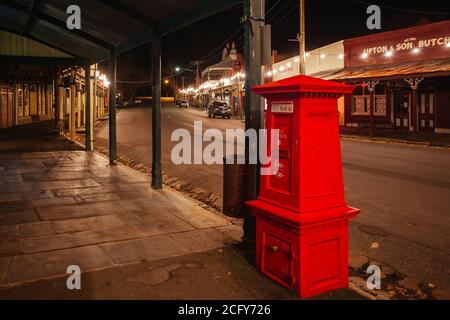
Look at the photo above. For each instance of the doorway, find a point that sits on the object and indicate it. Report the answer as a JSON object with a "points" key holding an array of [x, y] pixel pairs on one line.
{"points": [[402, 102], [426, 107]]}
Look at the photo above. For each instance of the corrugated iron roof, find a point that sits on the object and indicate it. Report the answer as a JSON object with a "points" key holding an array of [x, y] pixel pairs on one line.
{"points": [[428, 68]]}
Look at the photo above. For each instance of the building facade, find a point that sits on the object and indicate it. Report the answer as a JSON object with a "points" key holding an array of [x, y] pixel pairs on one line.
{"points": [[401, 78], [39, 83]]}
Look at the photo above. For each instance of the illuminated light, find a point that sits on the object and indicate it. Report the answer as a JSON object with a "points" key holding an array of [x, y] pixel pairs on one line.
{"points": [[166, 81], [364, 55], [416, 50], [448, 45], [177, 69], [269, 74], [307, 54], [322, 56], [389, 54], [296, 60], [289, 65], [281, 69], [97, 73], [274, 71], [341, 56]]}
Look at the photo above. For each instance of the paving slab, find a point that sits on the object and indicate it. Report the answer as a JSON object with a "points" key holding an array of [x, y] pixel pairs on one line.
{"points": [[201, 218], [9, 231], [4, 262], [95, 190], [99, 197], [17, 217], [73, 240], [10, 246], [86, 210], [34, 195], [88, 224], [14, 206], [36, 229], [200, 240], [53, 202], [10, 197], [51, 176], [50, 185], [49, 264], [159, 224], [146, 249]]}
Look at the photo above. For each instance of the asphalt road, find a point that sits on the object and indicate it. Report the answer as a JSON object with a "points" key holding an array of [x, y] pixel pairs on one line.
{"points": [[404, 191]]}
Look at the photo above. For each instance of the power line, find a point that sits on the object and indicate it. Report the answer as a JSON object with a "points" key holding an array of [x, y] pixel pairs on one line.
{"points": [[285, 15], [286, 5]]}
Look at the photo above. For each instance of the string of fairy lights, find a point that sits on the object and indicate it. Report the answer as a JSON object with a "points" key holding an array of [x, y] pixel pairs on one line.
{"points": [[224, 82]]}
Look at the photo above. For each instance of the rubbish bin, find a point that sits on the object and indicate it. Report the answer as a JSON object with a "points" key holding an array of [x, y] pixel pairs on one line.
{"points": [[233, 186]]}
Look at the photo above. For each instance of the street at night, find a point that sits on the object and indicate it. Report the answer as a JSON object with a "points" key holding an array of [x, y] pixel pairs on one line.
{"points": [[413, 231], [199, 153]]}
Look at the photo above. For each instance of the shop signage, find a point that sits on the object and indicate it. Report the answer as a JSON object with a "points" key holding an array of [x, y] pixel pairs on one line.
{"points": [[409, 44]]}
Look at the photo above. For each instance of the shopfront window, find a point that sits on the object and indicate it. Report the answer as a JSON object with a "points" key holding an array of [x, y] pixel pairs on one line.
{"points": [[361, 101], [19, 99]]}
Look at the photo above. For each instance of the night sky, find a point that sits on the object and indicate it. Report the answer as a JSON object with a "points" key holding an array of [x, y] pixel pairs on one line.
{"points": [[327, 21]]}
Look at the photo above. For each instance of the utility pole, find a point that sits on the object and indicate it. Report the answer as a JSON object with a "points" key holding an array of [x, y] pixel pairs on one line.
{"points": [[197, 64], [253, 20], [302, 39]]}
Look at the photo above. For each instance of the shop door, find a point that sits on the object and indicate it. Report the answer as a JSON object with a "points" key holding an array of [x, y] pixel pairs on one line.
{"points": [[426, 111], [402, 102]]}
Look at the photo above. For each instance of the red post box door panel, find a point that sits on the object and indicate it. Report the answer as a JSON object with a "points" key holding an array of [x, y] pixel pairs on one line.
{"points": [[321, 165], [280, 188], [277, 258]]}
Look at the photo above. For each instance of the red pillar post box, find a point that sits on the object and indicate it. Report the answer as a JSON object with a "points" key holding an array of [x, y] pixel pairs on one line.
{"points": [[301, 213]]}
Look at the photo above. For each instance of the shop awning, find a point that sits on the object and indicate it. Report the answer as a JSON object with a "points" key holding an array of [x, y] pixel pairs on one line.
{"points": [[420, 69], [105, 24]]}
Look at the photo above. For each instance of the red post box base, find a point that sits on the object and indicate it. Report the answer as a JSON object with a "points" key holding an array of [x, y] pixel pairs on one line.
{"points": [[307, 252]]}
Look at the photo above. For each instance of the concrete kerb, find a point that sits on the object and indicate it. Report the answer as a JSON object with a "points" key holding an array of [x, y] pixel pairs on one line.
{"points": [[396, 141]]}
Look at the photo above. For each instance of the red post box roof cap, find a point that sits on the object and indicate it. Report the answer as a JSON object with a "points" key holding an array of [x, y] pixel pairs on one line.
{"points": [[303, 83]]}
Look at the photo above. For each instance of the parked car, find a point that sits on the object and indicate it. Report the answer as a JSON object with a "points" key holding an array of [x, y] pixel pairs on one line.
{"points": [[220, 109], [184, 104]]}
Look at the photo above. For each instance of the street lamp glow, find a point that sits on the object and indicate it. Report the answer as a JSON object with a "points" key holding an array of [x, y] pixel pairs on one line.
{"points": [[166, 81], [177, 69]]}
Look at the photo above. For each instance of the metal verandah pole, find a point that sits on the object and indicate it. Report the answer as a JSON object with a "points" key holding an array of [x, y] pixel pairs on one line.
{"points": [[112, 109], [156, 112], [87, 106]]}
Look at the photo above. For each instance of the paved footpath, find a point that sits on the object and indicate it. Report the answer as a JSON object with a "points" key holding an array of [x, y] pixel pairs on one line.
{"points": [[71, 208]]}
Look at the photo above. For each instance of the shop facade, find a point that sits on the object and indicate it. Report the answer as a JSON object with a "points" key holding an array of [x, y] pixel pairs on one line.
{"points": [[401, 78]]}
